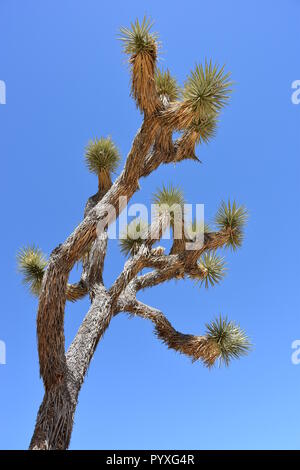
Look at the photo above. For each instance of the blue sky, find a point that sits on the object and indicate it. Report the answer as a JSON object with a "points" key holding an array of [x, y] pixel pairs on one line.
{"points": [[67, 81]]}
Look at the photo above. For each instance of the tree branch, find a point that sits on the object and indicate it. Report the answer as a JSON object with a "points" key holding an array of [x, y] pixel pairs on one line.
{"points": [[196, 347], [50, 319], [176, 265], [76, 291]]}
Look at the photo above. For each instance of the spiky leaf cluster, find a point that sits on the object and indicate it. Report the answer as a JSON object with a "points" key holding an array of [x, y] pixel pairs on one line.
{"points": [[31, 264], [134, 237], [169, 200], [205, 127], [232, 218], [102, 155], [166, 85], [139, 38], [231, 340], [168, 195], [207, 89], [213, 269]]}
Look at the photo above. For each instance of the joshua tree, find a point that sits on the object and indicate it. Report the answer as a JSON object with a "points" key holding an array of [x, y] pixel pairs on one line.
{"points": [[192, 112]]}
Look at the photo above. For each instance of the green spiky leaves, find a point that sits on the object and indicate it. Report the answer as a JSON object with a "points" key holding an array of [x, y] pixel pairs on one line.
{"points": [[170, 201], [205, 128], [141, 44], [231, 219], [139, 38], [31, 264], [102, 155], [168, 195], [134, 237], [230, 339], [207, 89], [166, 86], [212, 268]]}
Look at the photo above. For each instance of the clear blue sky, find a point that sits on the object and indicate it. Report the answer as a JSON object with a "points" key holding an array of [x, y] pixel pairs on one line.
{"points": [[67, 82]]}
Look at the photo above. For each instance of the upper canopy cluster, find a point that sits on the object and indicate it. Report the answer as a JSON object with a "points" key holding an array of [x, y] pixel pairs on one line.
{"points": [[206, 90], [194, 110]]}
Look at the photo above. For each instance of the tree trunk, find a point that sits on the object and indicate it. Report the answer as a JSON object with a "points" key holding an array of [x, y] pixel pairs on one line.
{"points": [[55, 417], [54, 422]]}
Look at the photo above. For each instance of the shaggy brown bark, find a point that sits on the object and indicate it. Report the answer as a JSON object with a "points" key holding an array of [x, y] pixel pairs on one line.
{"points": [[56, 414]]}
